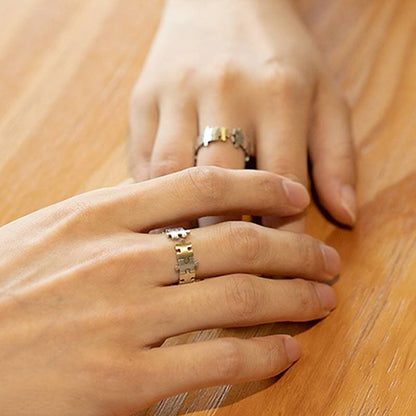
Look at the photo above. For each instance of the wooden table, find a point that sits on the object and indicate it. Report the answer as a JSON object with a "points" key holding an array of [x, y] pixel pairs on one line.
{"points": [[66, 71]]}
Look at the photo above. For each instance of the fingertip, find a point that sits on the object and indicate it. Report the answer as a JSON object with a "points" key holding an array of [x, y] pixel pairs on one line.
{"points": [[349, 203], [332, 260], [296, 193], [341, 204], [293, 348], [327, 296], [337, 198]]}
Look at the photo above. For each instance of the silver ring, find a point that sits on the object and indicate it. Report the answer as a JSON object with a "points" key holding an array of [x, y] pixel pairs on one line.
{"points": [[222, 134]]}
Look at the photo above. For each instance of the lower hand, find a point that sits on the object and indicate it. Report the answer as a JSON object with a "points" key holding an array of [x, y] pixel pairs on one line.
{"points": [[86, 295]]}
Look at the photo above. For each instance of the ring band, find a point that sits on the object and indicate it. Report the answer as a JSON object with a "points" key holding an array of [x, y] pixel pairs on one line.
{"points": [[222, 134], [186, 264], [178, 233]]}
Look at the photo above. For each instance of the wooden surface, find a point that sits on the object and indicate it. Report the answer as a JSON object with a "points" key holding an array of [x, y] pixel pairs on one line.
{"points": [[66, 71]]}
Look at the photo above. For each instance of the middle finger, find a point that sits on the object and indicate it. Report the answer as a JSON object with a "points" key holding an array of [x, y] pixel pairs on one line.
{"points": [[282, 129]]}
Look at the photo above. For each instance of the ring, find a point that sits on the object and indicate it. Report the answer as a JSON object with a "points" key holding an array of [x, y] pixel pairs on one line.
{"points": [[186, 263], [222, 134]]}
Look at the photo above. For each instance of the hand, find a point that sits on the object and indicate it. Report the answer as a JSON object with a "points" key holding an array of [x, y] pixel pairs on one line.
{"points": [[248, 64], [87, 297]]}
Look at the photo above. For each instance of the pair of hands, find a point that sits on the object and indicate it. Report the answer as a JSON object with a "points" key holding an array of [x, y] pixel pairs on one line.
{"points": [[88, 299], [249, 64], [87, 294]]}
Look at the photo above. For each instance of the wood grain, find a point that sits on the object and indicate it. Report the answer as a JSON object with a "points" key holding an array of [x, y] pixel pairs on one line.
{"points": [[66, 71]]}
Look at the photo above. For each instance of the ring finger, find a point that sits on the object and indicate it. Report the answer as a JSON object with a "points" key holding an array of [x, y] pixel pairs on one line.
{"points": [[215, 112], [241, 247]]}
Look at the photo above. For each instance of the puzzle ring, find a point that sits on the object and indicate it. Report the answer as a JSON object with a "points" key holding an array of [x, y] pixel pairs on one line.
{"points": [[185, 262], [222, 134]]}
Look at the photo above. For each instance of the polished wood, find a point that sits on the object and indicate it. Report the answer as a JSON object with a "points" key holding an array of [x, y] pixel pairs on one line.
{"points": [[66, 71]]}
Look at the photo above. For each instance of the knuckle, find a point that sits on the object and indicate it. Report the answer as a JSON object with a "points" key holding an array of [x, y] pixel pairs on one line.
{"points": [[275, 356], [245, 241], [139, 168], [184, 78], [225, 77], [283, 82], [267, 197], [139, 98], [348, 161], [205, 183], [165, 164], [310, 253], [283, 166], [230, 359], [243, 298], [137, 153], [84, 208], [73, 217], [98, 206], [267, 191], [307, 297], [342, 161]]}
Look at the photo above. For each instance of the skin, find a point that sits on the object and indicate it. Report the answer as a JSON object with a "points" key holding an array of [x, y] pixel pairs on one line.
{"points": [[249, 64], [87, 296]]}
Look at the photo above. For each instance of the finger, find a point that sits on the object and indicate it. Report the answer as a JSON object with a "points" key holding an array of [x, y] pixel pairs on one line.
{"points": [[144, 116], [241, 247], [281, 136], [331, 150], [198, 192], [239, 301], [174, 145], [215, 362], [221, 113]]}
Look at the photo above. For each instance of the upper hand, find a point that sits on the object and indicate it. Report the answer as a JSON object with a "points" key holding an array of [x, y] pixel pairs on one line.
{"points": [[248, 64]]}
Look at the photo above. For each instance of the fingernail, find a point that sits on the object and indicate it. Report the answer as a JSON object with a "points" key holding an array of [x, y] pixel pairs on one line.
{"points": [[293, 348], [326, 295], [332, 260], [296, 193], [349, 202]]}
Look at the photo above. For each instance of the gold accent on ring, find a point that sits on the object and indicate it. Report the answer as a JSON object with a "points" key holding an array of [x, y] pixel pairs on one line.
{"points": [[186, 264]]}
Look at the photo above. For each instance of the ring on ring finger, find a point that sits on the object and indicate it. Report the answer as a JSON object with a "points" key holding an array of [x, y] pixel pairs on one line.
{"points": [[186, 264], [222, 134]]}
